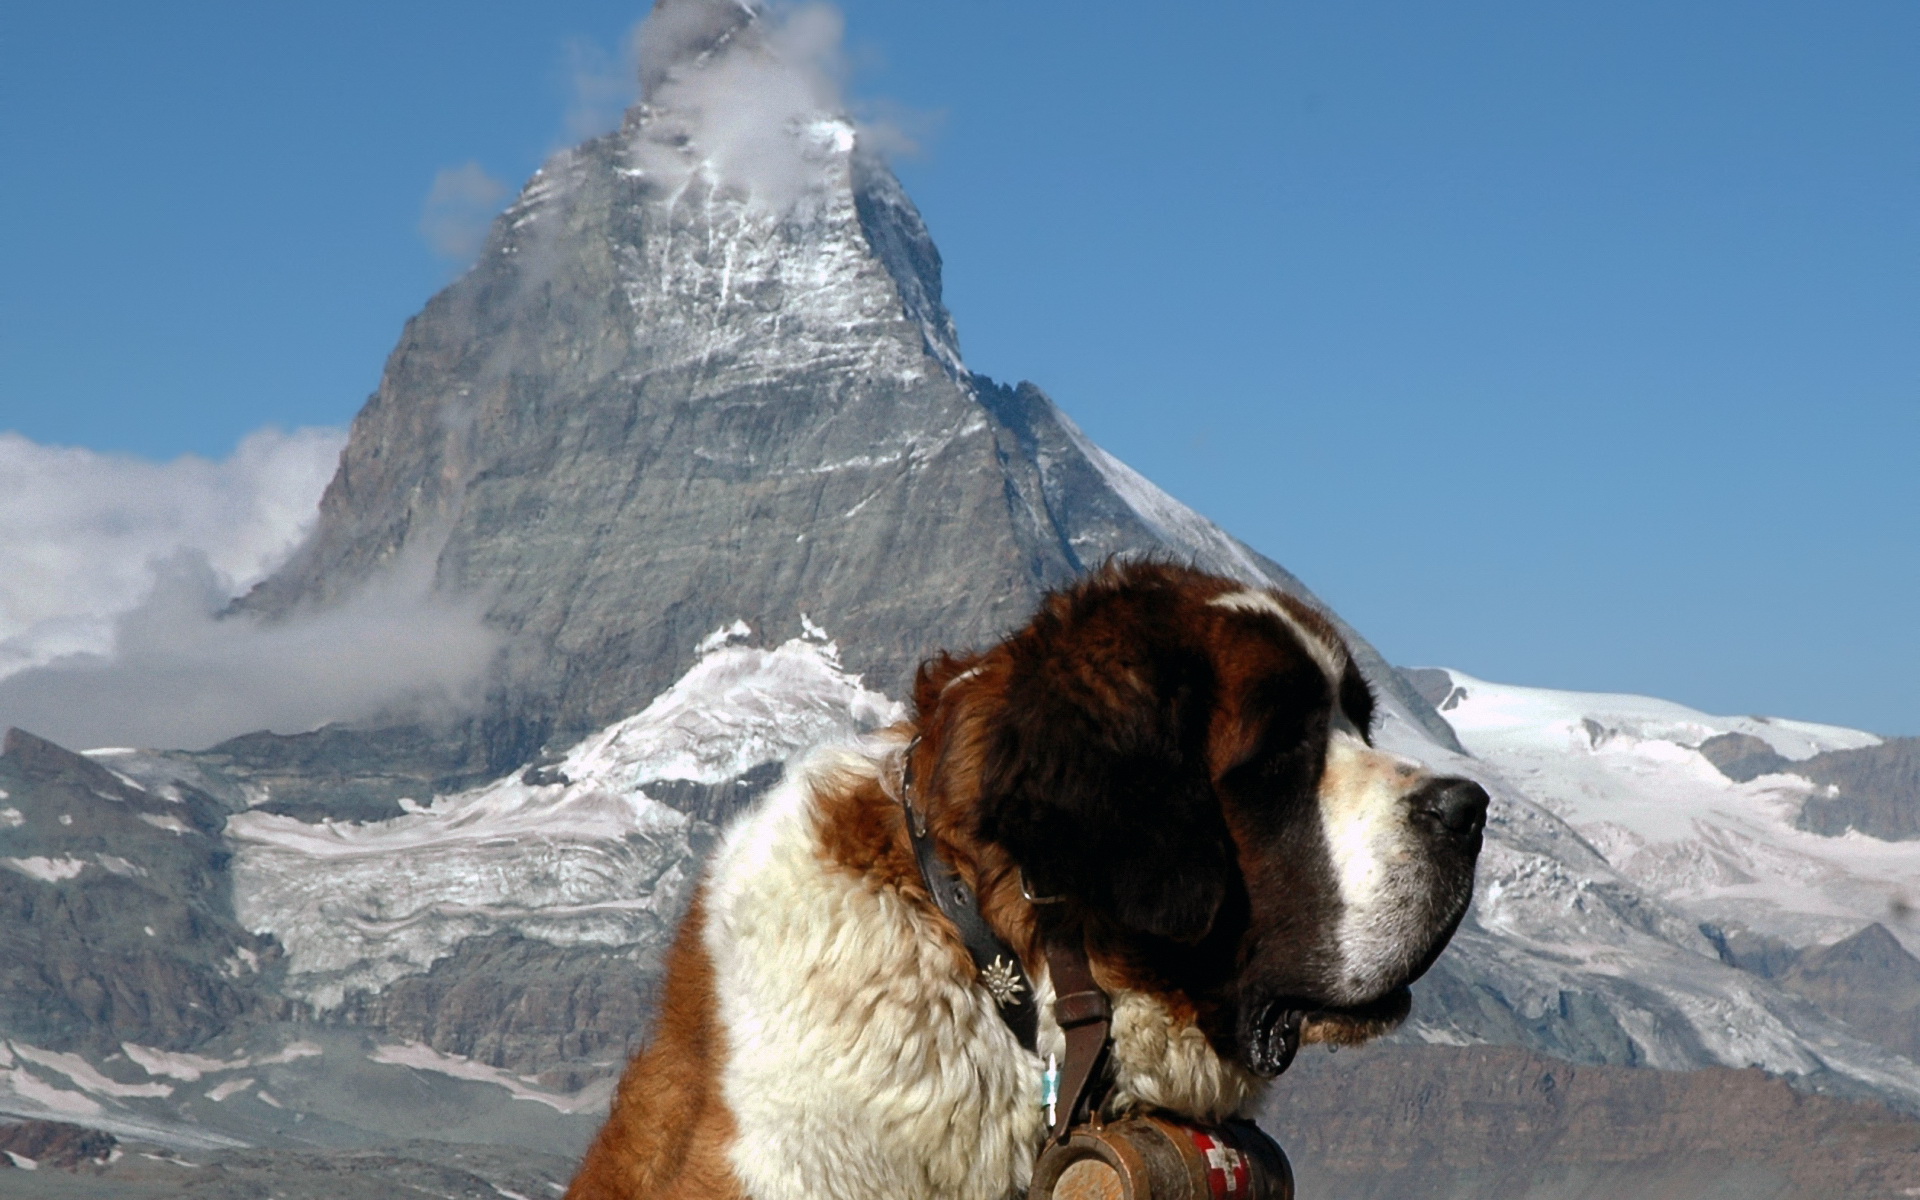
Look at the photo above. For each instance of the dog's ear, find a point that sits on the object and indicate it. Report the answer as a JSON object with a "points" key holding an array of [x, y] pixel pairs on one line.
{"points": [[1096, 781], [934, 676]]}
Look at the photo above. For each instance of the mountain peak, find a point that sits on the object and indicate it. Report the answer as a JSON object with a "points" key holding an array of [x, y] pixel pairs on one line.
{"points": [[702, 373], [679, 34]]}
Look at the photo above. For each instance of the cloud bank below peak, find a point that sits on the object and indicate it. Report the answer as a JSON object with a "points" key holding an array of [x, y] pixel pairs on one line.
{"points": [[116, 577], [80, 530]]}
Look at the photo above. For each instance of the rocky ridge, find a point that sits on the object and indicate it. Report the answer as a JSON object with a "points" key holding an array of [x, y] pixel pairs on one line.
{"points": [[116, 918], [664, 400], [1874, 789], [1498, 1123]]}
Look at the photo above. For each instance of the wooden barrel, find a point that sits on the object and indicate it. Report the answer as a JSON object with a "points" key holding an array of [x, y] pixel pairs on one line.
{"points": [[1157, 1158]]}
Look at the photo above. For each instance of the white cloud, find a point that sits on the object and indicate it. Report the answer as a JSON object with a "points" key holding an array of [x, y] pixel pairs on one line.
{"points": [[185, 673], [756, 101], [458, 209], [603, 86], [116, 580], [79, 530]]}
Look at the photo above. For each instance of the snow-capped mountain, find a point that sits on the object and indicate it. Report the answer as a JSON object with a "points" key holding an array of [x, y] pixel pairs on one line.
{"points": [[1630, 891], [1570, 948], [600, 848], [702, 373], [697, 404], [1638, 779]]}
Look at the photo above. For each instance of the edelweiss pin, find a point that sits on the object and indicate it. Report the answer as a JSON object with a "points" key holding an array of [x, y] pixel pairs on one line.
{"points": [[1002, 981]]}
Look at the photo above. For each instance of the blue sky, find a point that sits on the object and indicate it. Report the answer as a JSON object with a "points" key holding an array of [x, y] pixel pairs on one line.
{"points": [[1573, 345]]}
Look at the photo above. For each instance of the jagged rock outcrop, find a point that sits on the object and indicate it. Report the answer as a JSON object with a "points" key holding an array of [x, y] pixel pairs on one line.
{"points": [[522, 1005], [116, 917], [1869, 981], [337, 772], [31, 1145], [1874, 789], [1742, 757]]}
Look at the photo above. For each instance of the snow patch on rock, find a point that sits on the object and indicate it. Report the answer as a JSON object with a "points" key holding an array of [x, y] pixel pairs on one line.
{"points": [[422, 1057], [46, 869], [1627, 772], [575, 853], [1611, 843]]}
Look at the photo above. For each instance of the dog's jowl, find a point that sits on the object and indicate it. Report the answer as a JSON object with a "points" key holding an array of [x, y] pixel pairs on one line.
{"points": [[1167, 773]]}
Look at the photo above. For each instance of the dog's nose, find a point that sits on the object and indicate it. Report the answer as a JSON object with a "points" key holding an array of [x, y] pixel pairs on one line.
{"points": [[1459, 805]]}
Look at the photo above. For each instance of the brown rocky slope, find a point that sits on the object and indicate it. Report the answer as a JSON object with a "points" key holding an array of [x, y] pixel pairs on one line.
{"points": [[1498, 1123]]}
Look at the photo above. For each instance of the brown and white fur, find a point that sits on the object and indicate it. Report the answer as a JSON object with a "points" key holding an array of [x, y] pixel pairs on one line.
{"points": [[1187, 762]]}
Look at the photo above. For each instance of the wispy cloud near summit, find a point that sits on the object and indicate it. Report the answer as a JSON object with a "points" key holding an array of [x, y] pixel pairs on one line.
{"points": [[458, 209], [753, 96]]}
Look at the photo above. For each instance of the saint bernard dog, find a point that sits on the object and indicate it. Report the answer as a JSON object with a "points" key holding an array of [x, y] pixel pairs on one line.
{"points": [[1179, 762]]}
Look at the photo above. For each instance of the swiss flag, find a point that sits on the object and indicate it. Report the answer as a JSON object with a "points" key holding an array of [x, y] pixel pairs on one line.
{"points": [[1228, 1175]]}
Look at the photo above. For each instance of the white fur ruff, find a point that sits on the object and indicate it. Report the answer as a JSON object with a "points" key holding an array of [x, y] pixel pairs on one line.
{"points": [[862, 1062]]}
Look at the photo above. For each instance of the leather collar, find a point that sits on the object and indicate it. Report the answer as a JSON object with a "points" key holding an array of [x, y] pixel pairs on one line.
{"points": [[1080, 1007], [1000, 970]]}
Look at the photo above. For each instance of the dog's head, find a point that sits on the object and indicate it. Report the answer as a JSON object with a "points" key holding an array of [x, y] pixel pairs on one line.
{"points": [[1187, 762]]}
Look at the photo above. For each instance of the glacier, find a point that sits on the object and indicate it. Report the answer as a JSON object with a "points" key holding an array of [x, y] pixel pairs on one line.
{"points": [[576, 852], [1628, 774], [1615, 852]]}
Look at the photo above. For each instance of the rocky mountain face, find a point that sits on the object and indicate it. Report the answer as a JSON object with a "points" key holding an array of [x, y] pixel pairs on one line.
{"points": [[116, 918], [696, 436], [1498, 1123], [1874, 789], [1642, 906], [665, 400], [1869, 980]]}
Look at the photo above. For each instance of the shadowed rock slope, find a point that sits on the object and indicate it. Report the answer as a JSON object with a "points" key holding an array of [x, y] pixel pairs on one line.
{"points": [[1498, 1123], [116, 917]]}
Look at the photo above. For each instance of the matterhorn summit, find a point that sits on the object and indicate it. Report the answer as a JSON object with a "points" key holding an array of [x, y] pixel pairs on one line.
{"points": [[702, 373]]}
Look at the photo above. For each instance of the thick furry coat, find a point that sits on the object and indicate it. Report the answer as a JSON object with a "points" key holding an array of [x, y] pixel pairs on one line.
{"points": [[1185, 762]]}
